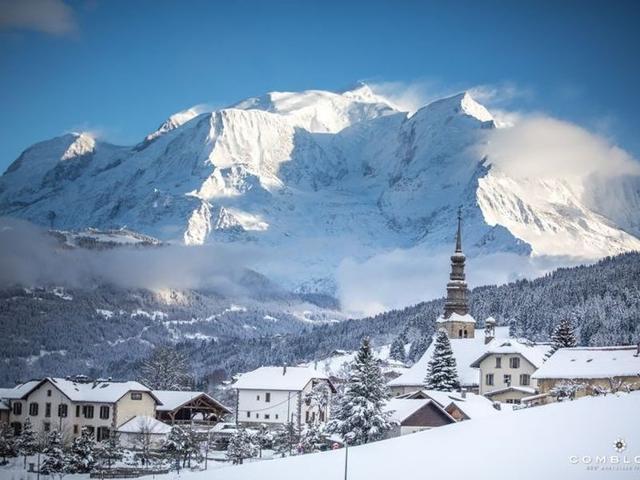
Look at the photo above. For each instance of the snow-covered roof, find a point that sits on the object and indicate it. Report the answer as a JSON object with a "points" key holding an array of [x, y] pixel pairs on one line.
{"points": [[18, 391], [475, 406], [457, 318], [98, 391], [4, 405], [403, 408], [173, 399], [278, 378], [533, 353], [529, 390], [465, 351], [144, 424], [591, 362]]}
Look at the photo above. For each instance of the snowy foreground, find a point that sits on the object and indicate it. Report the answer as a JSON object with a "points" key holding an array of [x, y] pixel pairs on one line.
{"points": [[534, 444]]}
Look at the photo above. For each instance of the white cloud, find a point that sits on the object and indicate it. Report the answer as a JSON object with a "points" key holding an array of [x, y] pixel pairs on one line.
{"points": [[406, 277], [48, 16], [541, 146], [499, 94]]}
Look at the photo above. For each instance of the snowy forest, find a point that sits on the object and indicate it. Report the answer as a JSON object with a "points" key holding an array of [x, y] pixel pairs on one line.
{"points": [[603, 300]]}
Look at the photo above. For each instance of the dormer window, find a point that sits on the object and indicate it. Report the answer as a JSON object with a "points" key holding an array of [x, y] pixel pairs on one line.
{"points": [[136, 396]]}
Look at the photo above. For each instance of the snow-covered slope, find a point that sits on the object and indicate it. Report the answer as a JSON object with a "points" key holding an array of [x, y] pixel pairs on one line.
{"points": [[552, 441], [314, 177]]}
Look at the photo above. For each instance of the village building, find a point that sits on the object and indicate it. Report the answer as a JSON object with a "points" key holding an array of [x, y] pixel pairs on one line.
{"points": [[506, 369], [459, 405], [72, 404], [143, 433], [591, 371], [187, 407], [278, 395], [415, 415]]}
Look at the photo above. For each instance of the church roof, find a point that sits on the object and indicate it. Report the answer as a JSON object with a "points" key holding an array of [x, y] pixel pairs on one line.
{"points": [[455, 317], [465, 351]]}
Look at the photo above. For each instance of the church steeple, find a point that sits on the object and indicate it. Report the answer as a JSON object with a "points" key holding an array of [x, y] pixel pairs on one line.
{"points": [[457, 301]]}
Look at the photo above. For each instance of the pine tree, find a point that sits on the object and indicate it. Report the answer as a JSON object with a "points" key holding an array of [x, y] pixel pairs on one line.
{"points": [[109, 451], [441, 370], [418, 347], [563, 336], [166, 369], [27, 442], [360, 416], [82, 455], [285, 439], [182, 445], [56, 461], [241, 446], [312, 439], [7, 443], [397, 349]]}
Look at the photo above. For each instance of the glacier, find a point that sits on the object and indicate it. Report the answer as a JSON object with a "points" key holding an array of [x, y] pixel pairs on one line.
{"points": [[315, 177]]}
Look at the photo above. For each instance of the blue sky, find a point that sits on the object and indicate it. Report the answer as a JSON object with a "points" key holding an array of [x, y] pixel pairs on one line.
{"points": [[120, 68]]}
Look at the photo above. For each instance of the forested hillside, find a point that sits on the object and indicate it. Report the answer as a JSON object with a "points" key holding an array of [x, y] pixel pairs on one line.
{"points": [[107, 331]]}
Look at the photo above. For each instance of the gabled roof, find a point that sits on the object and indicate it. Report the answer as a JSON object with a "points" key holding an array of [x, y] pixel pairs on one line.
{"points": [[533, 353], [144, 424], [402, 408], [465, 351], [528, 390], [591, 362], [98, 391], [19, 391], [173, 399], [291, 379]]}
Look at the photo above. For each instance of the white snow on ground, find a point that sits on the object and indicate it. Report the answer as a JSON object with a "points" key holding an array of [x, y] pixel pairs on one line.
{"points": [[530, 444]]}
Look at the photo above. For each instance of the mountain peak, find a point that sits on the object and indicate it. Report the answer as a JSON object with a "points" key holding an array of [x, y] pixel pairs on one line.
{"points": [[460, 103]]}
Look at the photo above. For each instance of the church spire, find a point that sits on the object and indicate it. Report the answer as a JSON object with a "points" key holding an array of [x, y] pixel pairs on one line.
{"points": [[457, 301]]}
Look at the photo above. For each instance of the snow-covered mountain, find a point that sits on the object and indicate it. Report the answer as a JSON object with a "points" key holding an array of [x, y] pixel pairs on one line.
{"points": [[314, 177]]}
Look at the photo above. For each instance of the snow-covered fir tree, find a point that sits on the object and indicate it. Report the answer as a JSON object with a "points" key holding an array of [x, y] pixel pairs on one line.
{"points": [[27, 442], [56, 461], [166, 369], [318, 397], [263, 438], [397, 349], [441, 369], [82, 454], [360, 416], [566, 390], [241, 446], [7, 443], [312, 438], [285, 439], [563, 336]]}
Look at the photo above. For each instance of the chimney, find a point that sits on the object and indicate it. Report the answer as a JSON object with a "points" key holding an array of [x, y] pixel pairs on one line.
{"points": [[315, 365], [284, 369]]}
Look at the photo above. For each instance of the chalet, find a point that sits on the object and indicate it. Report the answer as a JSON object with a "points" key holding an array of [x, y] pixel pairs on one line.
{"points": [[459, 405], [278, 395], [71, 404], [592, 370], [188, 407], [415, 415], [506, 367]]}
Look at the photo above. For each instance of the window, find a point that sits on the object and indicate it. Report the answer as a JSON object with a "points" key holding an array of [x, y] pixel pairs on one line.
{"points": [[136, 396], [267, 416], [63, 410], [33, 409], [306, 416], [460, 333], [466, 334], [488, 379], [47, 409], [87, 411], [47, 426], [77, 410], [514, 362], [48, 393], [322, 415], [258, 397], [75, 429], [525, 379], [313, 416], [17, 428], [104, 412], [103, 433], [17, 408], [89, 429], [248, 414], [498, 362], [513, 401], [507, 379], [276, 416], [267, 397]]}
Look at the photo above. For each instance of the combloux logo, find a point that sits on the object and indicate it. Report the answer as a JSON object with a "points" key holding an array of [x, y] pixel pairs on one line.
{"points": [[620, 445], [608, 462]]}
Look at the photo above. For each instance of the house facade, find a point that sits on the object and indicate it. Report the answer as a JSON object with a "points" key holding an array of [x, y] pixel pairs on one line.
{"points": [[589, 370], [277, 395], [70, 404], [506, 369], [415, 415]]}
